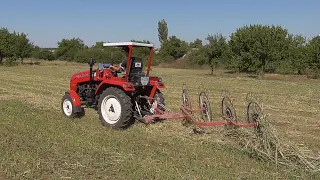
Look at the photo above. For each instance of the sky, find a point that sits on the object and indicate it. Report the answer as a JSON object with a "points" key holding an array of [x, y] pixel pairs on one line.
{"points": [[47, 22]]}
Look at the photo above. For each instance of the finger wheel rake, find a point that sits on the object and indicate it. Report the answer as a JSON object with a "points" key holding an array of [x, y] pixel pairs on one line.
{"points": [[186, 102], [254, 113], [228, 110], [185, 97], [204, 104]]}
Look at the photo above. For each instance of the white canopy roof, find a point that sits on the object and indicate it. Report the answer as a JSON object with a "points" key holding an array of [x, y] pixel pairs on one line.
{"points": [[128, 44]]}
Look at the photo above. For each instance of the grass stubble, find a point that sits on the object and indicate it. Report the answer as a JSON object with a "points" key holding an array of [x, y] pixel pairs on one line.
{"points": [[37, 142]]}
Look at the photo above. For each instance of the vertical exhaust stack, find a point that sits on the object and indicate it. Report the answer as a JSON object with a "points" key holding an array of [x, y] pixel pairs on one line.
{"points": [[91, 63]]}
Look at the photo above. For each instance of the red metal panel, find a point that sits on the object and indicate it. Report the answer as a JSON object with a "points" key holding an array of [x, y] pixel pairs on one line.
{"points": [[75, 98]]}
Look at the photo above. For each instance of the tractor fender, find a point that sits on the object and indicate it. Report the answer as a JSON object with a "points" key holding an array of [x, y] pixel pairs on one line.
{"points": [[126, 86], [75, 97], [160, 86]]}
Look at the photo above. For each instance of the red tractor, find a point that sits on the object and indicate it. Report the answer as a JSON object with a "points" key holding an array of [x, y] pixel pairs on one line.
{"points": [[118, 99]]}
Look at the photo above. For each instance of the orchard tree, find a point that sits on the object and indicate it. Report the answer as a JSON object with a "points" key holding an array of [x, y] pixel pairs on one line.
{"points": [[6, 44], [68, 48], [196, 43], [198, 56], [35, 52], [162, 31], [142, 52], [22, 46], [218, 50], [314, 53], [174, 47], [257, 47], [295, 60]]}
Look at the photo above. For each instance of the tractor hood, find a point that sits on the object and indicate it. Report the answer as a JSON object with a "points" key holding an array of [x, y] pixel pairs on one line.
{"points": [[81, 75]]}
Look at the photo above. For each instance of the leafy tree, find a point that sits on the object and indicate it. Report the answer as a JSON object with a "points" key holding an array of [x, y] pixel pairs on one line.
{"points": [[6, 44], [35, 52], [99, 54], [196, 43], [22, 46], [46, 55], [256, 48], [198, 56], [215, 53], [174, 47], [142, 52], [68, 48], [162, 31], [295, 60], [314, 53], [218, 50]]}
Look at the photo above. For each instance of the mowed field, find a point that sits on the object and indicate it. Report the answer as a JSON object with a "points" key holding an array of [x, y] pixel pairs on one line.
{"points": [[38, 142]]}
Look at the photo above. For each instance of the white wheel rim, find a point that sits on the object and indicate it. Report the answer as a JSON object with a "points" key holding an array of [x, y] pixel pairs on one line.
{"points": [[111, 109], [67, 107]]}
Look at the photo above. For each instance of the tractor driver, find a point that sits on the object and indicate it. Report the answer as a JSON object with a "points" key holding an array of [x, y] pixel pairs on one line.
{"points": [[122, 66]]}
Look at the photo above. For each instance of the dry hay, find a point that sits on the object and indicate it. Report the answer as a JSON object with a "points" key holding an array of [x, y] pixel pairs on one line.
{"points": [[265, 144]]}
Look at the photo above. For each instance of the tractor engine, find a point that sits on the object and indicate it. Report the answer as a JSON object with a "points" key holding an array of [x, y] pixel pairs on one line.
{"points": [[136, 74], [87, 94]]}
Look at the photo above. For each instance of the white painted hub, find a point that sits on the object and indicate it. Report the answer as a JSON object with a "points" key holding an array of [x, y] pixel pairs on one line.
{"points": [[67, 107], [111, 109]]}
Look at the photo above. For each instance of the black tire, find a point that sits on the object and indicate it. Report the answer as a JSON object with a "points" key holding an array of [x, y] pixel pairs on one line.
{"points": [[118, 98], [68, 108]]}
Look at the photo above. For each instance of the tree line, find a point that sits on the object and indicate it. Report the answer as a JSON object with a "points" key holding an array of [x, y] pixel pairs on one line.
{"points": [[253, 48]]}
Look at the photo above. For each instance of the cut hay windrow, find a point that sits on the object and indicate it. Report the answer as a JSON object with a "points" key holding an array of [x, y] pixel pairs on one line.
{"points": [[263, 143], [266, 145]]}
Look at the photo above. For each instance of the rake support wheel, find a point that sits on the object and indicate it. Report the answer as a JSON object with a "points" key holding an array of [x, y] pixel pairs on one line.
{"points": [[205, 104], [254, 112], [228, 110], [185, 97]]}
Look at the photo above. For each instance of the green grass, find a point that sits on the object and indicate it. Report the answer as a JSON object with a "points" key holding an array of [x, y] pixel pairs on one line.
{"points": [[37, 142]]}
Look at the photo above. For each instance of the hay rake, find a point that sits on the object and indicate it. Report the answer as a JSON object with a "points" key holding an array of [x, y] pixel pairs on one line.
{"points": [[188, 112]]}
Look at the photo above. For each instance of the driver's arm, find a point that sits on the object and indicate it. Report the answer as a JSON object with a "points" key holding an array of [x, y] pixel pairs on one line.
{"points": [[116, 68], [119, 67]]}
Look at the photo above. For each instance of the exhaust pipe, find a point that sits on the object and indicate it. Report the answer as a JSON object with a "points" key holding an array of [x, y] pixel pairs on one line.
{"points": [[91, 63]]}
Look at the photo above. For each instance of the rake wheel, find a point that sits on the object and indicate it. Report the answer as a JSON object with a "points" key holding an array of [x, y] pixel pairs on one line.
{"points": [[205, 103], [254, 112], [187, 103], [185, 97], [228, 110]]}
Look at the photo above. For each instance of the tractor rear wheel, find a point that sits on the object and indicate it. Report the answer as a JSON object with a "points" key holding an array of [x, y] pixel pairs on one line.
{"points": [[115, 108]]}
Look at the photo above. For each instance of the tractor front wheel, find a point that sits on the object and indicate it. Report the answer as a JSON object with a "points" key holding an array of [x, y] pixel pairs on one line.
{"points": [[115, 108], [68, 108]]}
